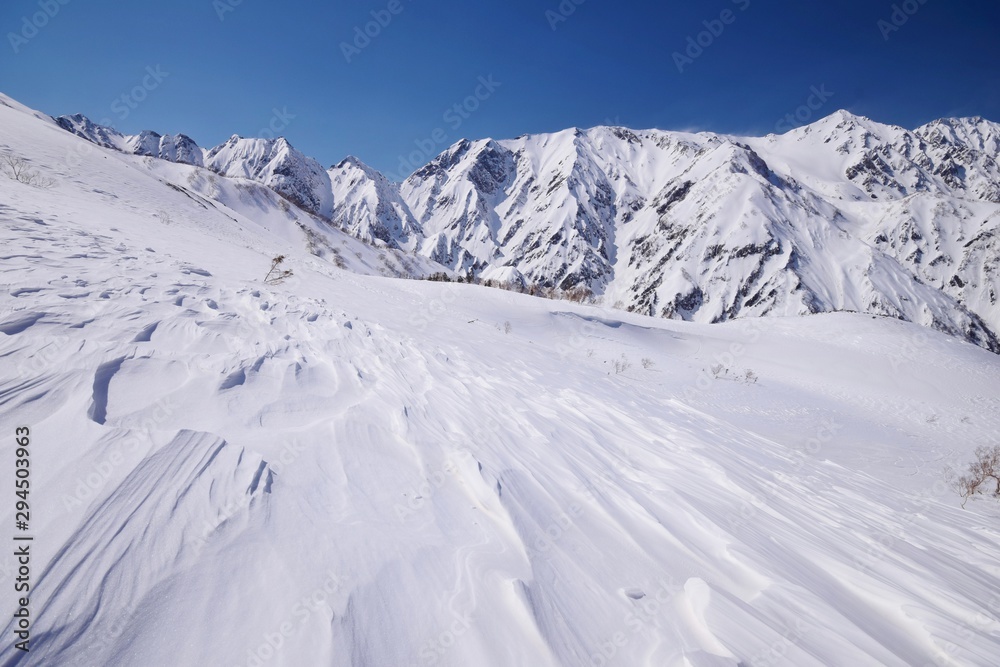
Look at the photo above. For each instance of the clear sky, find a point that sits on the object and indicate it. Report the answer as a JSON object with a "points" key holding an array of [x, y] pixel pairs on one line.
{"points": [[212, 68]]}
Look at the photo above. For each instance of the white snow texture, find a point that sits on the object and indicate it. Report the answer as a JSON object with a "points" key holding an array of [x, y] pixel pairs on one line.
{"points": [[351, 468]]}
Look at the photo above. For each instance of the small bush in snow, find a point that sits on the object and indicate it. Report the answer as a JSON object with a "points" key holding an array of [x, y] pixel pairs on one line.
{"points": [[338, 259], [982, 476], [622, 365], [648, 363], [578, 294], [276, 275], [18, 168]]}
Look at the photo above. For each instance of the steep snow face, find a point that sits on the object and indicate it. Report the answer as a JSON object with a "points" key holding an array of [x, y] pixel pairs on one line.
{"points": [[976, 134], [370, 207], [454, 198], [707, 227], [101, 135], [180, 148], [965, 153], [178, 195], [347, 469], [948, 243], [277, 165], [272, 162], [544, 205]]}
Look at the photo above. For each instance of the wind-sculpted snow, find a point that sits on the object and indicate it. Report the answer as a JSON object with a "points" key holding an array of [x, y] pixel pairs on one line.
{"points": [[350, 469]]}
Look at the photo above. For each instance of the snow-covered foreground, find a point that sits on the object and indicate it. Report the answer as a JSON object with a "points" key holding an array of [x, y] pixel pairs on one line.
{"points": [[350, 469]]}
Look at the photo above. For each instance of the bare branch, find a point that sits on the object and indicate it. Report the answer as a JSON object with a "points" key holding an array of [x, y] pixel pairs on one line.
{"points": [[982, 476], [19, 169], [276, 276]]}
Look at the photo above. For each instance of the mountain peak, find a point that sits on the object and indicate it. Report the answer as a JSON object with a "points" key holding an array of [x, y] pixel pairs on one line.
{"points": [[353, 163], [85, 128], [975, 132]]}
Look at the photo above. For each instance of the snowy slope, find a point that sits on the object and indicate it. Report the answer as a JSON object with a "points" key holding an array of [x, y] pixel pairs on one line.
{"points": [[348, 469]]}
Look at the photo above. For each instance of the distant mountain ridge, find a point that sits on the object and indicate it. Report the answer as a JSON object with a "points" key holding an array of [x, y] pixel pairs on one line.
{"points": [[843, 214]]}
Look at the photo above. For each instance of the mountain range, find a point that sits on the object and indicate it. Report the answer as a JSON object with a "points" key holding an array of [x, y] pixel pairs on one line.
{"points": [[845, 214]]}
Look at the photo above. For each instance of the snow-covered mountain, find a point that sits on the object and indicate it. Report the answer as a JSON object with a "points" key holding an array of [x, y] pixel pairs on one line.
{"points": [[370, 207], [272, 162], [276, 164], [349, 469], [845, 214], [180, 148], [244, 183]]}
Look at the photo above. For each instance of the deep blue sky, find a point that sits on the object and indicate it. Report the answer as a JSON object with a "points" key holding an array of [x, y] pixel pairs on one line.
{"points": [[608, 62]]}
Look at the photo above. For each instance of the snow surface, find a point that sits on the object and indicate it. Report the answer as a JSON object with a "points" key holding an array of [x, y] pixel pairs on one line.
{"points": [[352, 469]]}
